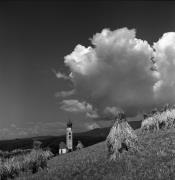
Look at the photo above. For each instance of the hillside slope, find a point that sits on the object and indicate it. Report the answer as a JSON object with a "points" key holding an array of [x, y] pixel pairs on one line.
{"points": [[156, 160]]}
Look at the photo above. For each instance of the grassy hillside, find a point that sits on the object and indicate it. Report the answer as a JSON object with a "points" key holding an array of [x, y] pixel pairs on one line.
{"points": [[155, 160]]}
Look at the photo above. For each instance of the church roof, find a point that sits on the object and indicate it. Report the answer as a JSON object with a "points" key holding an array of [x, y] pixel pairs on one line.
{"points": [[69, 123]]}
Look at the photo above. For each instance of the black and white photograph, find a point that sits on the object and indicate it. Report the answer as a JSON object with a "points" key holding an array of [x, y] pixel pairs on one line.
{"points": [[87, 90]]}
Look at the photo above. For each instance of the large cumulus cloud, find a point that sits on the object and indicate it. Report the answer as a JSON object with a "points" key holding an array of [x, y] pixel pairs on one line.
{"points": [[165, 61], [115, 71], [120, 70]]}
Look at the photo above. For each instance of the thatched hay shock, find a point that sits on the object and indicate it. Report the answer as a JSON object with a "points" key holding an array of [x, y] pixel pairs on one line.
{"points": [[160, 120], [121, 137]]}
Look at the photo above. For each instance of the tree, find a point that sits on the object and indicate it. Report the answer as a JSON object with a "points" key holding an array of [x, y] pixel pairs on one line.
{"points": [[37, 145]]}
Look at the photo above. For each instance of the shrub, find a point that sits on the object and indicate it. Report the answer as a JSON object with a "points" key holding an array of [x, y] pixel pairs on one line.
{"points": [[32, 161]]}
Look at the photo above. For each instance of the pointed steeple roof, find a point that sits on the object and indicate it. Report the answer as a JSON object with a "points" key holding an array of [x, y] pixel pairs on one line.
{"points": [[69, 123]]}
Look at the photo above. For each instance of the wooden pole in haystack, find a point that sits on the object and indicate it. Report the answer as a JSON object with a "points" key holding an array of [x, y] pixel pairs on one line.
{"points": [[121, 137]]}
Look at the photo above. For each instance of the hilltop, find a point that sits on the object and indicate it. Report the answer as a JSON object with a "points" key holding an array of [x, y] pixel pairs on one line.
{"points": [[155, 160]]}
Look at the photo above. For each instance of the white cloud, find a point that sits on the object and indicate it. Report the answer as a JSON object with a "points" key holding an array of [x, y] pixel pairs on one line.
{"points": [[92, 126], [65, 93], [60, 75], [165, 60], [73, 105], [112, 110], [92, 114], [120, 70], [81, 60], [116, 71]]}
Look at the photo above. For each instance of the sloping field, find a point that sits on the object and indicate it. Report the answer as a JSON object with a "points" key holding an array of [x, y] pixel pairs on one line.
{"points": [[155, 160]]}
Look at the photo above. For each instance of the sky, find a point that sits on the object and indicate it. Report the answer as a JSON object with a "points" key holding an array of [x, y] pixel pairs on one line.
{"points": [[42, 82]]}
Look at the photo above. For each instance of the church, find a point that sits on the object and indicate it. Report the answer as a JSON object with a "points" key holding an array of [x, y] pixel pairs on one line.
{"points": [[68, 147], [69, 137]]}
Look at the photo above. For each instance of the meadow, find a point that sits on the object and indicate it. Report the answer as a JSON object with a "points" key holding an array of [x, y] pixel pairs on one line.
{"points": [[155, 158]]}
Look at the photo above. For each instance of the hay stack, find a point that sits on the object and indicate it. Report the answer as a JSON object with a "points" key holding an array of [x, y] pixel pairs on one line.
{"points": [[121, 137], [160, 120]]}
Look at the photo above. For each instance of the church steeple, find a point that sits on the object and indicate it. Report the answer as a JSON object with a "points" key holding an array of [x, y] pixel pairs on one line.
{"points": [[69, 124], [69, 138]]}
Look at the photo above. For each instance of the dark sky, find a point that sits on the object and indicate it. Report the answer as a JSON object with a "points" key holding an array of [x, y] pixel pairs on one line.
{"points": [[35, 37]]}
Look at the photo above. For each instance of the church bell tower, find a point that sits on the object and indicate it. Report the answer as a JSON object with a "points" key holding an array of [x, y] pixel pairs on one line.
{"points": [[69, 138]]}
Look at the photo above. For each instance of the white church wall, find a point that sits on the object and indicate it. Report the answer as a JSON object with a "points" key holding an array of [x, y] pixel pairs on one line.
{"points": [[62, 151]]}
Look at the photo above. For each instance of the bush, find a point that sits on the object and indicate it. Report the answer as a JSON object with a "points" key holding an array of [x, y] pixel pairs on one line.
{"points": [[32, 161], [15, 152]]}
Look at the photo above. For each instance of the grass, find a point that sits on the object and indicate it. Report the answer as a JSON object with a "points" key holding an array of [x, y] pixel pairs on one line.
{"points": [[155, 160], [16, 152], [14, 166]]}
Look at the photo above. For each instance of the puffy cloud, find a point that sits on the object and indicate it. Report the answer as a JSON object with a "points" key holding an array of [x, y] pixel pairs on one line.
{"points": [[65, 93], [120, 70], [112, 110], [109, 113], [81, 60], [165, 61], [92, 114], [60, 75], [92, 126], [115, 71], [73, 105]]}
